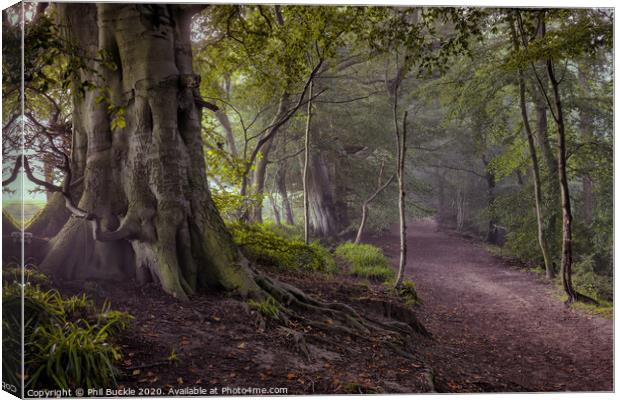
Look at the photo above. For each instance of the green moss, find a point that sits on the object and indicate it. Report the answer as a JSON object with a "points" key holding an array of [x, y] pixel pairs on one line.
{"points": [[268, 307], [366, 261], [407, 292], [266, 247]]}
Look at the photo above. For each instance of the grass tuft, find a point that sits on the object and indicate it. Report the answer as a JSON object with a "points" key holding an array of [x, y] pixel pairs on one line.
{"points": [[366, 261]]}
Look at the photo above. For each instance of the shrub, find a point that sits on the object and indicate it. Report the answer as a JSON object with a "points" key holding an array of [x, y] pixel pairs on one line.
{"points": [[264, 246], [588, 281], [284, 230], [68, 341], [366, 261]]}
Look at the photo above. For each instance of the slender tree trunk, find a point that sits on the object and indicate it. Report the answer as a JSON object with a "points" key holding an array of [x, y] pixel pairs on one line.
{"points": [[441, 197], [460, 209], [402, 144], [490, 180], [380, 188], [222, 117], [306, 170], [538, 198], [567, 217]]}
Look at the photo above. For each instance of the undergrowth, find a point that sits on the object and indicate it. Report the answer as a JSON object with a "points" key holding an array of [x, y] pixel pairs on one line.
{"points": [[261, 244], [68, 341], [585, 281], [366, 261], [408, 293]]}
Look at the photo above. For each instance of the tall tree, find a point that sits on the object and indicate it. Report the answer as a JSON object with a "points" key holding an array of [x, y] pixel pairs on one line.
{"points": [[538, 198]]}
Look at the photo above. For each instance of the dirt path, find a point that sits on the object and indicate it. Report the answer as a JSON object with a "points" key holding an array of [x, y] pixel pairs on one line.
{"points": [[497, 328]]}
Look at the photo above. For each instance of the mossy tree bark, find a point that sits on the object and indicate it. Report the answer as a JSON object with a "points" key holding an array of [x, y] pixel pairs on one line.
{"points": [[145, 181]]}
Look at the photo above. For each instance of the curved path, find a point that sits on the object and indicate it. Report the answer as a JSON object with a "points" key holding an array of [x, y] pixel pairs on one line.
{"points": [[497, 328]]}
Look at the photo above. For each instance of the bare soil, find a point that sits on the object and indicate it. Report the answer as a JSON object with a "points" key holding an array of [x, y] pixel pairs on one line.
{"points": [[218, 342], [497, 327], [494, 328]]}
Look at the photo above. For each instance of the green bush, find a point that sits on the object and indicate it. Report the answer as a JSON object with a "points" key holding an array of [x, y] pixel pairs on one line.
{"points": [[284, 230], [591, 283], [366, 261], [264, 246], [69, 342]]}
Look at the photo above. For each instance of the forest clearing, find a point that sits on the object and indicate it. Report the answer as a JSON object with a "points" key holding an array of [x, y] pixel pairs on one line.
{"points": [[290, 199]]}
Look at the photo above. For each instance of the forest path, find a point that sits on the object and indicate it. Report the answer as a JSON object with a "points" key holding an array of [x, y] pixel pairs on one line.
{"points": [[497, 328]]}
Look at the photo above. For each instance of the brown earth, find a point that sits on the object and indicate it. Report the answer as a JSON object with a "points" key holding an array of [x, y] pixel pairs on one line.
{"points": [[497, 327], [494, 328], [218, 342]]}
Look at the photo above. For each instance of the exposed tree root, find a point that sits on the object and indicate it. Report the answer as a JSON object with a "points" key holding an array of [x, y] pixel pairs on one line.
{"points": [[340, 318], [582, 298]]}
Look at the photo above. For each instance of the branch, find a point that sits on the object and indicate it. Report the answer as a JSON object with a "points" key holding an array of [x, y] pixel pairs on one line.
{"points": [[14, 173], [274, 128], [538, 79], [471, 171], [200, 103], [347, 101], [298, 152]]}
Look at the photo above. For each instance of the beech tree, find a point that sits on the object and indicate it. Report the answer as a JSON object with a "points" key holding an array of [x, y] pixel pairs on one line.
{"points": [[146, 208]]}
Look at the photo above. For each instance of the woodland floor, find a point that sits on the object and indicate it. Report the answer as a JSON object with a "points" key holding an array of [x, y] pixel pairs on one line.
{"points": [[494, 328], [498, 327]]}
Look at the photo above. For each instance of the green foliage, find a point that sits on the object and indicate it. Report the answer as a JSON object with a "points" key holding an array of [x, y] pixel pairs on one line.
{"points": [[69, 342], [12, 274], [366, 261], [588, 281], [269, 248], [288, 231], [268, 307]]}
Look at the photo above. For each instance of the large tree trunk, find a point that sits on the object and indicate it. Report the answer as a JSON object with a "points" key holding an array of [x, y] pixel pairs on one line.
{"points": [[322, 210], [283, 192], [145, 181], [341, 207], [48, 222]]}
